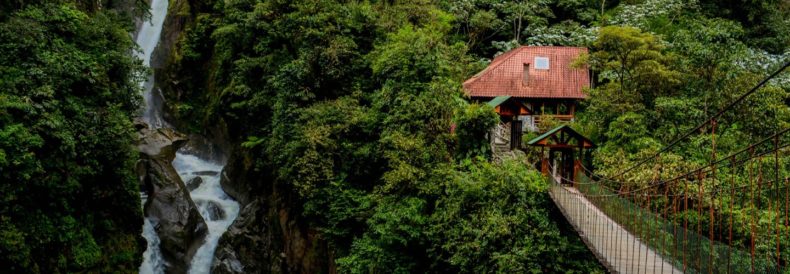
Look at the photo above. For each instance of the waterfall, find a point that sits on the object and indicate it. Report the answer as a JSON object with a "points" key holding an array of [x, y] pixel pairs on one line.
{"points": [[215, 206], [147, 39]]}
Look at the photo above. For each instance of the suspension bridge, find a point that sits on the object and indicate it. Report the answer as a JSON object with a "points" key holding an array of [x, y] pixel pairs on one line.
{"points": [[729, 215]]}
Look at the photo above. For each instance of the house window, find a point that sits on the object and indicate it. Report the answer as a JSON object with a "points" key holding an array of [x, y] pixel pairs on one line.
{"points": [[563, 109], [541, 62], [526, 74]]}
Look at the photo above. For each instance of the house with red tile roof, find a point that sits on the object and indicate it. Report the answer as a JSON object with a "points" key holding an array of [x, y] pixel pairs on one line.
{"points": [[529, 84]]}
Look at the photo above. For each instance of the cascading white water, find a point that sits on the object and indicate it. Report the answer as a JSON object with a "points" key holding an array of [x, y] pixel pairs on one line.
{"points": [[217, 208], [153, 261], [147, 39]]}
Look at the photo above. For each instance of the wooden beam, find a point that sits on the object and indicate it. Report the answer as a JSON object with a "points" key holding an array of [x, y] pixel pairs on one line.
{"points": [[573, 109], [559, 146], [554, 137]]}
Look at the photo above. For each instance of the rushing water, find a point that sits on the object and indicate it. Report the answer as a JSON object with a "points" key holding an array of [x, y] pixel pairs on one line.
{"points": [[153, 262], [147, 39], [216, 207]]}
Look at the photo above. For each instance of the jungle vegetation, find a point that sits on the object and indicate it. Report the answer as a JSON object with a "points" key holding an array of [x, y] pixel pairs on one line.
{"points": [[69, 199], [352, 112], [349, 105]]}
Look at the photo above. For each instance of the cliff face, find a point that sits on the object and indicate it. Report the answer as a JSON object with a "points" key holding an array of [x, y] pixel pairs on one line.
{"points": [[268, 236]]}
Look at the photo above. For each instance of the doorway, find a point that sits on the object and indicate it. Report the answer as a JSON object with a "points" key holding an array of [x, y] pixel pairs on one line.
{"points": [[563, 162]]}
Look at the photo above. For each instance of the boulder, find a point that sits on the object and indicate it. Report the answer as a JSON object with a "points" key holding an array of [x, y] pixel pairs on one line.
{"points": [[214, 211], [194, 183], [178, 223], [160, 143]]}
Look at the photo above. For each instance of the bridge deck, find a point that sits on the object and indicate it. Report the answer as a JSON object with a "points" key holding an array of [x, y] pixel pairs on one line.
{"points": [[615, 247]]}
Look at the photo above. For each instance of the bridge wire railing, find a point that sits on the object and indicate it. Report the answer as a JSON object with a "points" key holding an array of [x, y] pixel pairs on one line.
{"points": [[667, 230], [690, 251], [705, 168]]}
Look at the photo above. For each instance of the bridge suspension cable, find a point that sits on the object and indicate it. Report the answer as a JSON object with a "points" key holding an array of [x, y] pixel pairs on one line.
{"points": [[707, 121], [683, 246], [699, 171], [711, 165], [673, 234], [724, 159]]}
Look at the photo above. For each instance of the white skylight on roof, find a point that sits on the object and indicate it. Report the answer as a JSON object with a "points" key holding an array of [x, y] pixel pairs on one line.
{"points": [[541, 62]]}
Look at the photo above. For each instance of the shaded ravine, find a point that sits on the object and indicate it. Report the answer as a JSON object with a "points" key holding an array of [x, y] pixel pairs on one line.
{"points": [[202, 175]]}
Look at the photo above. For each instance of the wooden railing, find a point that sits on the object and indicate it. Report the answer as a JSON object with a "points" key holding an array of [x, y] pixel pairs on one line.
{"points": [[564, 117]]}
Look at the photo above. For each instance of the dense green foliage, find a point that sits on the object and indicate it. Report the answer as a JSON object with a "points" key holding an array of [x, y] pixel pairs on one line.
{"points": [[356, 110], [472, 126], [661, 74], [353, 111], [497, 217], [658, 82], [68, 88], [354, 114]]}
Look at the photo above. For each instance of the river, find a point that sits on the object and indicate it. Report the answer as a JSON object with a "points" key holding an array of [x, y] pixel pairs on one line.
{"points": [[217, 208]]}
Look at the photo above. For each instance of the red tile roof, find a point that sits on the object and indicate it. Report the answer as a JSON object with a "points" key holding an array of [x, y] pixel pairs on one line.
{"points": [[504, 76]]}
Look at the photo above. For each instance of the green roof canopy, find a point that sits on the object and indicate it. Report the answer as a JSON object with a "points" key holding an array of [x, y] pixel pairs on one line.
{"points": [[543, 139], [498, 101]]}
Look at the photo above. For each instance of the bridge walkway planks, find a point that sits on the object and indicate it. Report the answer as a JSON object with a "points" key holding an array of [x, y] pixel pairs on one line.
{"points": [[616, 248]]}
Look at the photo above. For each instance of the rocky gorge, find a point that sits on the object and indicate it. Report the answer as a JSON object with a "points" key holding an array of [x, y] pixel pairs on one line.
{"points": [[267, 236], [179, 225]]}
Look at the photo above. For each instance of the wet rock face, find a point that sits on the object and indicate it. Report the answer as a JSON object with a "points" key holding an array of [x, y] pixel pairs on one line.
{"points": [[169, 207], [266, 237], [262, 240], [237, 181], [204, 148], [246, 246], [214, 211], [304, 250], [194, 183], [157, 144]]}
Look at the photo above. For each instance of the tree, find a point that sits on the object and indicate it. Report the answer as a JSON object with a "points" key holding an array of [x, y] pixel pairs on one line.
{"points": [[499, 218], [633, 71], [767, 23], [69, 199], [473, 124]]}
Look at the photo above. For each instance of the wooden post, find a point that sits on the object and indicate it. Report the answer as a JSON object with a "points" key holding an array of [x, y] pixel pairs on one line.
{"points": [[549, 158], [571, 166], [576, 167], [544, 167], [573, 110], [580, 161]]}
